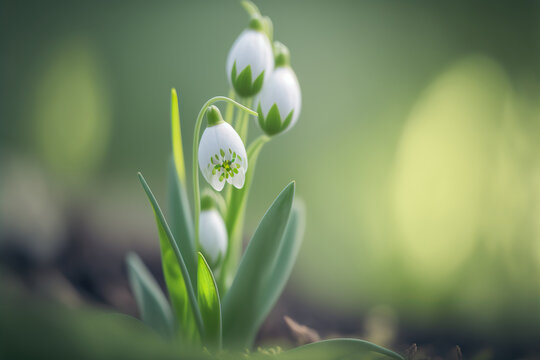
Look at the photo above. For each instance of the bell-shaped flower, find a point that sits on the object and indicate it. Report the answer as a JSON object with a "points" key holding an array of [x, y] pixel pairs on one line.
{"points": [[222, 155], [212, 232], [250, 60], [280, 100]]}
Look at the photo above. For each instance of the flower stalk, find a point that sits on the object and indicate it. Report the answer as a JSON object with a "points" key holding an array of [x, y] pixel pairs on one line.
{"points": [[196, 136]]}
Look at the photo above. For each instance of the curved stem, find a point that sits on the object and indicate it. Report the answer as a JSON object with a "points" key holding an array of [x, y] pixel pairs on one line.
{"points": [[256, 145], [251, 8], [196, 135]]}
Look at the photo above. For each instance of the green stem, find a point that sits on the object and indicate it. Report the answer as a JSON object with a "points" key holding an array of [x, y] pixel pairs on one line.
{"points": [[230, 108], [196, 135], [243, 123], [241, 130], [235, 217]]}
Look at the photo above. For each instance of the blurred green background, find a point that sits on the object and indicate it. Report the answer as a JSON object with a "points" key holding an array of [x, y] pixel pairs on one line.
{"points": [[417, 152]]}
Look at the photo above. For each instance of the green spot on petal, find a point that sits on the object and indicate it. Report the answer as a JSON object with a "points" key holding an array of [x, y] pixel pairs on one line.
{"points": [[287, 121], [242, 83], [272, 125]]}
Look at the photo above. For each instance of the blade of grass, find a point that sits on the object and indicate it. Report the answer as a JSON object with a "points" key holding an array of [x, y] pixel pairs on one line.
{"points": [[165, 234], [153, 306], [241, 303], [209, 304], [176, 133], [335, 349], [273, 285], [182, 230]]}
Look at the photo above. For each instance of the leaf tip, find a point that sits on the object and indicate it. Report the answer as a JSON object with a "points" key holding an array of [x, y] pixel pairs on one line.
{"points": [[141, 177], [133, 261], [130, 256], [291, 186]]}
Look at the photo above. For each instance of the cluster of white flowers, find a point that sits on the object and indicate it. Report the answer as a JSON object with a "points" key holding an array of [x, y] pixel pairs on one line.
{"points": [[259, 70]]}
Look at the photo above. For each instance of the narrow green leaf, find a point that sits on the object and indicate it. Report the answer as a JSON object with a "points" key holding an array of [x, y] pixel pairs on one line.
{"points": [[165, 235], [241, 304], [182, 222], [272, 286], [153, 307], [182, 230], [209, 304], [335, 349], [176, 133]]}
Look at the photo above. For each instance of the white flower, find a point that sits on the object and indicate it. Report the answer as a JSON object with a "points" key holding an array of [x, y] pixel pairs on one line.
{"points": [[250, 61], [280, 100], [212, 236], [222, 155]]}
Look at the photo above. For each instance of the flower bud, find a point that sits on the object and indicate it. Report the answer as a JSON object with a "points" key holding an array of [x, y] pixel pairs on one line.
{"points": [[212, 231], [280, 100], [250, 59], [222, 155]]}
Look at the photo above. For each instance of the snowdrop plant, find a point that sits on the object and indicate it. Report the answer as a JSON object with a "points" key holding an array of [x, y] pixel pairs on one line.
{"points": [[219, 294]]}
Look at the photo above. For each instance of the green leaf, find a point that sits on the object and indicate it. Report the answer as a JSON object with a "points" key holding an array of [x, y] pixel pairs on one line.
{"points": [[272, 286], [165, 236], [176, 133], [235, 216], [242, 303], [337, 349], [182, 230], [209, 304], [153, 306]]}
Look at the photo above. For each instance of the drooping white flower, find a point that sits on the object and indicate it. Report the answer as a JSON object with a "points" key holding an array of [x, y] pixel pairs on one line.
{"points": [[250, 60], [280, 100], [222, 155], [212, 235]]}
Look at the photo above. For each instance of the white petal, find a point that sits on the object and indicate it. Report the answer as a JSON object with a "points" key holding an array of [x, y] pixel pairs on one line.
{"points": [[251, 48], [207, 148], [227, 138], [216, 184], [212, 235], [282, 89], [238, 179], [214, 139]]}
